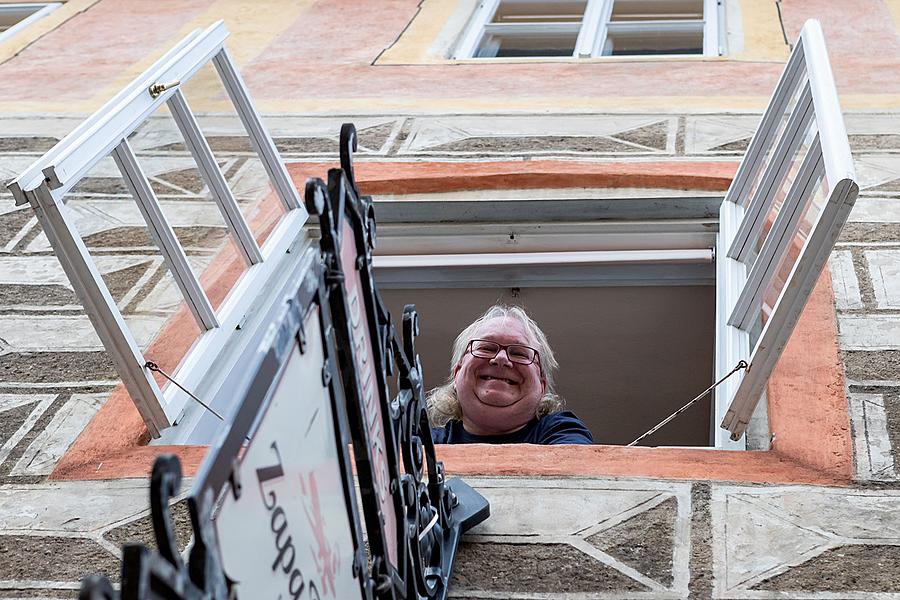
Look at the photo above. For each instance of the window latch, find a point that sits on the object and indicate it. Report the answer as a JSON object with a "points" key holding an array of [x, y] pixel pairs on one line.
{"points": [[158, 88]]}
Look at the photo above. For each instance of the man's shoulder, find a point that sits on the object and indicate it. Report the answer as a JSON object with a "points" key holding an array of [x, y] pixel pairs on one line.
{"points": [[563, 427], [440, 434]]}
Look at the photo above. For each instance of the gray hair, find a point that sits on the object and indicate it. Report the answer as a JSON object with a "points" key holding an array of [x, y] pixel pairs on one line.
{"points": [[443, 402]]}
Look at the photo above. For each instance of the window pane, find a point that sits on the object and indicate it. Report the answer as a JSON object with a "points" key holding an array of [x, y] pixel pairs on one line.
{"points": [[781, 192], [657, 10], [653, 42], [812, 208], [776, 138], [539, 12], [506, 45]]}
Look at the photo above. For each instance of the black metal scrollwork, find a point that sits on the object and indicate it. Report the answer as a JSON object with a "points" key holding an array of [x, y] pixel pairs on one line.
{"points": [[432, 513], [148, 575]]}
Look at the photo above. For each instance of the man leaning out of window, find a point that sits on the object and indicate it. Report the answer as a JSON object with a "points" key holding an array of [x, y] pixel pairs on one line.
{"points": [[500, 389]]}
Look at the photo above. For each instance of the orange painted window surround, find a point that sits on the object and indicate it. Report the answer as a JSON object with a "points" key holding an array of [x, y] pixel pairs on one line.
{"points": [[807, 404]]}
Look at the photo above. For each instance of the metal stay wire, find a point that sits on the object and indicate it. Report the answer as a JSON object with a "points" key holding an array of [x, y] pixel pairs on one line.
{"points": [[155, 368], [738, 367]]}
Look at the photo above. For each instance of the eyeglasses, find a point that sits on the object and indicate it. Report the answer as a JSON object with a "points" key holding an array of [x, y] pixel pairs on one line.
{"points": [[517, 353]]}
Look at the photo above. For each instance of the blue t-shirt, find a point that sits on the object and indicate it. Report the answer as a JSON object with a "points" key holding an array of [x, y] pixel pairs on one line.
{"points": [[556, 428]]}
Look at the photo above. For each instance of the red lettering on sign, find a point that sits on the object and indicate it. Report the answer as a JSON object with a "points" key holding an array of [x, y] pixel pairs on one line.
{"points": [[327, 560]]}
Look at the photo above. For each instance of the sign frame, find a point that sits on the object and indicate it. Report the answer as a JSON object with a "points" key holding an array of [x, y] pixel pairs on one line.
{"points": [[414, 559]]}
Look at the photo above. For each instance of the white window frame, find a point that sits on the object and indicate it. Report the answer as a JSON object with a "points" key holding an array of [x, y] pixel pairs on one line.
{"points": [[30, 12], [586, 241], [741, 280], [592, 31], [105, 133]]}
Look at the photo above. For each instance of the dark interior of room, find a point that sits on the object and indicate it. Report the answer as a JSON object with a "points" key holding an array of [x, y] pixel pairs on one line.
{"points": [[629, 356]]}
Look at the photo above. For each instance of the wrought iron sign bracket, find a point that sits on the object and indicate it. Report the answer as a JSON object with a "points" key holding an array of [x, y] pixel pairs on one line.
{"points": [[280, 478]]}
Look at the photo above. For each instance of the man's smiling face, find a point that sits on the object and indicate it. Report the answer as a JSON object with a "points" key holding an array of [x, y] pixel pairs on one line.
{"points": [[496, 395]]}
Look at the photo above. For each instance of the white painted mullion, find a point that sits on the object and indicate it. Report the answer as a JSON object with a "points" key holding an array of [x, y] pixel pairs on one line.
{"points": [[259, 136], [602, 25], [711, 28], [773, 176], [590, 24], [475, 30], [777, 241], [214, 179], [164, 237], [658, 27], [531, 29], [100, 307]]}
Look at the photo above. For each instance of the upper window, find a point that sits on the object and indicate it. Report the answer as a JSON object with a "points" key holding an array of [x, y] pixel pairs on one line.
{"points": [[590, 28], [15, 17]]}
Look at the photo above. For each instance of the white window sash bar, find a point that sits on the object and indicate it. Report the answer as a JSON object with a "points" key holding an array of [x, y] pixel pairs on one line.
{"points": [[611, 257], [652, 27], [33, 176], [773, 177], [531, 29], [601, 25], [784, 317], [780, 236], [764, 137], [732, 344], [259, 136], [100, 307], [164, 236], [475, 31], [98, 141], [214, 179], [594, 16]]}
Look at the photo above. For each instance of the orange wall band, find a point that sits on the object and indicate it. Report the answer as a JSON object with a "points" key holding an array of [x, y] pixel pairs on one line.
{"points": [[807, 404]]}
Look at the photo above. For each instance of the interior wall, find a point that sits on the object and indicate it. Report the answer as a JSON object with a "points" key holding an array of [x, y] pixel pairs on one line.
{"points": [[629, 356]]}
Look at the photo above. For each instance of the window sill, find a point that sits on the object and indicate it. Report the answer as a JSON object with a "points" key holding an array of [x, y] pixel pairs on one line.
{"points": [[806, 393], [807, 414]]}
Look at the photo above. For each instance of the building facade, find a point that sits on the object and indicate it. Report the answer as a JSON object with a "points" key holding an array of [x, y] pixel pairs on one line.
{"points": [[485, 128]]}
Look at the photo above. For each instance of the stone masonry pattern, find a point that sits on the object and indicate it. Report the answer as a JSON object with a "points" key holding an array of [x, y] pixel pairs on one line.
{"points": [[591, 538]]}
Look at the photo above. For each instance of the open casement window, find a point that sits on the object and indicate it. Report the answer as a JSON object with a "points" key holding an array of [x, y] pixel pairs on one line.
{"points": [[778, 223], [237, 322], [591, 28]]}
